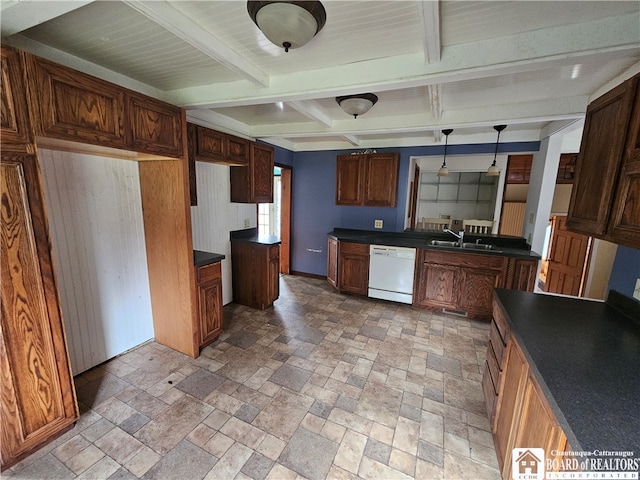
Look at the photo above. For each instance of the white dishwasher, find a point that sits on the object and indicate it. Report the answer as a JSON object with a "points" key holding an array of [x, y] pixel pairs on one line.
{"points": [[391, 271]]}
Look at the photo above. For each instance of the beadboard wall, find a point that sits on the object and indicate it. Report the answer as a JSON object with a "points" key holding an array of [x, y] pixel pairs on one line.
{"points": [[97, 234], [215, 216]]}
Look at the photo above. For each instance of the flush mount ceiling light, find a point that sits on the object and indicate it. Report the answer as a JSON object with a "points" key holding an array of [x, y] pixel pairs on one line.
{"points": [[288, 24], [444, 170], [493, 170], [357, 104]]}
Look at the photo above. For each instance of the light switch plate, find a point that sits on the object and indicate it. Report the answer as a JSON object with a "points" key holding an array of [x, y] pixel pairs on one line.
{"points": [[377, 224], [246, 223], [636, 291]]}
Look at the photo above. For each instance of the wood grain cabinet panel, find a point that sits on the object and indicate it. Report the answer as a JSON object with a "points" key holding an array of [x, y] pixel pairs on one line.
{"points": [[606, 178], [70, 105], [210, 316], [460, 282], [353, 268], [255, 274], [367, 179], [38, 397], [15, 129], [254, 183], [154, 127]]}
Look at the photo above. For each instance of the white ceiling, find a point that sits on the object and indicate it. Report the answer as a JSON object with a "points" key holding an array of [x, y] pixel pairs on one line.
{"points": [[466, 65]]}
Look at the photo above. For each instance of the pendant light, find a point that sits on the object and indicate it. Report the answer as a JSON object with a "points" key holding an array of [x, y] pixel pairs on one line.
{"points": [[288, 24], [493, 170], [357, 104], [444, 170]]}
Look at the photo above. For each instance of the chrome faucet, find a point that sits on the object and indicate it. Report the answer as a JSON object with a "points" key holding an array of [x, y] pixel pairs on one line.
{"points": [[459, 235]]}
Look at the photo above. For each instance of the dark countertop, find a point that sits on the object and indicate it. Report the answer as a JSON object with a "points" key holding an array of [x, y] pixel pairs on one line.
{"points": [[505, 245], [250, 235], [586, 357], [201, 258]]}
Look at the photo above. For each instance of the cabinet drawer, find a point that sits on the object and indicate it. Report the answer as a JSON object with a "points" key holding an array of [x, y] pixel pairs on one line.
{"points": [[354, 248], [501, 323], [494, 369], [208, 272], [495, 341]]}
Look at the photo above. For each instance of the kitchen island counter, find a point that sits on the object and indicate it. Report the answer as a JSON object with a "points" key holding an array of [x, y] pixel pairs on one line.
{"points": [[585, 355]]}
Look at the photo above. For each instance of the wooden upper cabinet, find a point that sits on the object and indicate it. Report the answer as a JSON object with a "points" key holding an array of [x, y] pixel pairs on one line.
{"points": [[381, 180], [207, 145], [349, 179], [70, 105], [367, 179], [253, 183], [38, 397], [238, 150], [154, 126], [625, 215], [598, 168], [15, 129]]}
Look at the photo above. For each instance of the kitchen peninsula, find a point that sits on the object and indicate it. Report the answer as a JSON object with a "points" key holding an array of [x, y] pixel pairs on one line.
{"points": [[450, 276]]}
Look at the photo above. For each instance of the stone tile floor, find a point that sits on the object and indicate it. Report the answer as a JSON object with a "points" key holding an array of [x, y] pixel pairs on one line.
{"points": [[322, 385]]}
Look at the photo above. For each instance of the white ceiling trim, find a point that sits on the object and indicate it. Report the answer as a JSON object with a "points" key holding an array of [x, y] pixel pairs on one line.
{"points": [[435, 100], [183, 27], [430, 21], [18, 16], [524, 52], [312, 111]]}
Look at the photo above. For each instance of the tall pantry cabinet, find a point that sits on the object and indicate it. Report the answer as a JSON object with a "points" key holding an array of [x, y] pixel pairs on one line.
{"points": [[38, 398]]}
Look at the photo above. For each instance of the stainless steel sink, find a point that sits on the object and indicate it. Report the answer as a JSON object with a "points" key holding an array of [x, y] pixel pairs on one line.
{"points": [[443, 243], [478, 246]]}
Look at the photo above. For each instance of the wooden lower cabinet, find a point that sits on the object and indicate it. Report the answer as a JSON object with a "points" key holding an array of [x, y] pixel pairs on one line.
{"points": [[332, 261], [255, 273], [353, 268], [459, 282], [519, 413], [38, 396], [210, 318]]}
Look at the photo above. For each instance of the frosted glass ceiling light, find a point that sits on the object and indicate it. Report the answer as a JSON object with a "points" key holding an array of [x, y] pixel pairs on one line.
{"points": [[357, 104], [444, 170], [288, 24], [493, 170]]}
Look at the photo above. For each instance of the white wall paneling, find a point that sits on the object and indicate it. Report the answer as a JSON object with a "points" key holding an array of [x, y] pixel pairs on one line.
{"points": [[97, 234], [215, 216]]}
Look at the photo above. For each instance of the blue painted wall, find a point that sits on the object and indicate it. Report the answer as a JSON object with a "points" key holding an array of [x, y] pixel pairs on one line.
{"points": [[626, 269], [315, 212]]}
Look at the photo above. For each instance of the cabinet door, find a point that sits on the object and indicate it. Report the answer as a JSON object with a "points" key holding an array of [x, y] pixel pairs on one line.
{"points": [[38, 397], [436, 285], [510, 403], [625, 227], [208, 145], [273, 274], [522, 274], [209, 279], [598, 162], [353, 268], [154, 127], [476, 290], [332, 261], [237, 150], [381, 180], [73, 106], [14, 118], [349, 171], [261, 164]]}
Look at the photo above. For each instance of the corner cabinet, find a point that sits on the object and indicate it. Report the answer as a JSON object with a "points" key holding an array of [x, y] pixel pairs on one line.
{"points": [[369, 180], [38, 396], [254, 183], [605, 200], [209, 287]]}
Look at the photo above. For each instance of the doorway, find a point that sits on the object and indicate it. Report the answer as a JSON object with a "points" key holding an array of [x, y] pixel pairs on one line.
{"points": [[566, 259], [275, 218]]}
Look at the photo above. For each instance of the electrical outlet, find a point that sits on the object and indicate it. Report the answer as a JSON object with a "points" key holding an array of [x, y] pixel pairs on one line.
{"points": [[636, 291], [246, 223], [377, 224]]}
